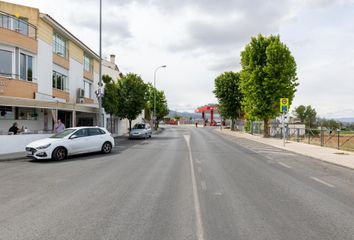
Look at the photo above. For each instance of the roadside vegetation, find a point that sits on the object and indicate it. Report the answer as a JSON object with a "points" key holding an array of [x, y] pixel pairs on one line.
{"points": [[268, 73], [130, 96]]}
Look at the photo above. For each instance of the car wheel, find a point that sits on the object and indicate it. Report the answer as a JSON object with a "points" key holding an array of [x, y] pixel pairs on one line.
{"points": [[146, 136], [59, 154], [106, 148]]}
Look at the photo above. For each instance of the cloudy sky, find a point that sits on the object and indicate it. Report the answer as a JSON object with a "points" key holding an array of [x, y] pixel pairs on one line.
{"points": [[199, 39]]}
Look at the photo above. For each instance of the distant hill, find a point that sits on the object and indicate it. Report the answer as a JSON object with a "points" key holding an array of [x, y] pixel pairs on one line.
{"points": [[172, 114], [345, 120]]}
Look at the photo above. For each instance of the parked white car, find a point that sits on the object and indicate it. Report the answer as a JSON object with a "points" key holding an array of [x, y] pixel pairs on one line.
{"points": [[71, 141]]}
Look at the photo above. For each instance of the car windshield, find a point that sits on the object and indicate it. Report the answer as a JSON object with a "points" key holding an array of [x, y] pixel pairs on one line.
{"points": [[139, 126], [63, 134]]}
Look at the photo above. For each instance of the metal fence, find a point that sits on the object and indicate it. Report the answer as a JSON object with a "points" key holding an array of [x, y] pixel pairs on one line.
{"points": [[339, 139]]}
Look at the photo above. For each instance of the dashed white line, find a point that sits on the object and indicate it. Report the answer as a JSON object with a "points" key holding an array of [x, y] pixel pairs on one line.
{"points": [[323, 182], [198, 216], [203, 184], [284, 165]]}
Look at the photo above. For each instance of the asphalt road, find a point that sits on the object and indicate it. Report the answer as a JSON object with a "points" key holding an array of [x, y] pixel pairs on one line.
{"points": [[185, 183]]}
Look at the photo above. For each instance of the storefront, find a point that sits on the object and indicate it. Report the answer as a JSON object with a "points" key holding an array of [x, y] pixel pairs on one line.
{"points": [[34, 116]]}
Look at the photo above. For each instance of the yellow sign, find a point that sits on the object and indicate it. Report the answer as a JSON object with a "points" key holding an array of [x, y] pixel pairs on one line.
{"points": [[284, 105], [17, 15]]}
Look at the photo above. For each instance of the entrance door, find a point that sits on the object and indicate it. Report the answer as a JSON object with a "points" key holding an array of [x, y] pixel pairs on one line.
{"points": [[66, 118]]}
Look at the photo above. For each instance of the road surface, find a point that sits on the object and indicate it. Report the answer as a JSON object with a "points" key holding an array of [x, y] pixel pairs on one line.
{"points": [[185, 183]]}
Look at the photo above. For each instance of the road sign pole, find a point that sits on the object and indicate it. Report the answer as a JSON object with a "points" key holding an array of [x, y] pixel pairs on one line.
{"points": [[283, 129]]}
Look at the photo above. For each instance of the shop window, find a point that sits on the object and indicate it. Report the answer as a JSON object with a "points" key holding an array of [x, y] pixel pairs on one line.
{"points": [[25, 113], [6, 113]]}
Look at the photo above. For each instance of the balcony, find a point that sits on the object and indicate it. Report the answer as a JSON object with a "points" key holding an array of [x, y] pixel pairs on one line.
{"points": [[17, 25], [17, 32]]}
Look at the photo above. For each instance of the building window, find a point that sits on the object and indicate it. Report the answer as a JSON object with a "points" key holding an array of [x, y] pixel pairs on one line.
{"points": [[59, 45], [5, 63], [87, 89], [88, 63], [25, 113], [26, 67], [6, 113], [59, 81]]}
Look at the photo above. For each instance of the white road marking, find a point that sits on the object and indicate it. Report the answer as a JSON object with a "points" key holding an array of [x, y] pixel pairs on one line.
{"points": [[198, 216], [284, 165], [218, 193], [203, 184], [323, 182]]}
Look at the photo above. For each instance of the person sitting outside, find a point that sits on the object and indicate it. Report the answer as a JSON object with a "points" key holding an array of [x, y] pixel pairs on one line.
{"points": [[14, 129], [59, 127]]}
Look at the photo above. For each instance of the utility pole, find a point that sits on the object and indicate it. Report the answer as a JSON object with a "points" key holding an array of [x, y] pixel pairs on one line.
{"points": [[99, 92]]}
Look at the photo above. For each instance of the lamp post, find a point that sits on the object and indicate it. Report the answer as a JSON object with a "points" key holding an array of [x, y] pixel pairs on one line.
{"points": [[154, 116], [99, 95]]}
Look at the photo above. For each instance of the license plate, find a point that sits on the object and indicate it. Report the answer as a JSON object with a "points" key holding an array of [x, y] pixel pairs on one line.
{"points": [[29, 153]]}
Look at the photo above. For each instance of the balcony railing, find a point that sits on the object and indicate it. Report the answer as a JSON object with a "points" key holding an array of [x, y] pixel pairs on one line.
{"points": [[17, 25]]}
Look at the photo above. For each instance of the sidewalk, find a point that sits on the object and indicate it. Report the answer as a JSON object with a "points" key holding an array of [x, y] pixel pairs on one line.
{"points": [[330, 155]]}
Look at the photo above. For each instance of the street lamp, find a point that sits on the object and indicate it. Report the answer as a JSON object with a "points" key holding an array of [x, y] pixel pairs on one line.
{"points": [[99, 95], [154, 117]]}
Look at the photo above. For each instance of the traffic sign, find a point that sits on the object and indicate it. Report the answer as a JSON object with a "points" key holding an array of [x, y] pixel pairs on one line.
{"points": [[284, 105]]}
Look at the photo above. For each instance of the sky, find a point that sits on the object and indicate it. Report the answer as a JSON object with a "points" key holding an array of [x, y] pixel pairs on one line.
{"points": [[200, 39]]}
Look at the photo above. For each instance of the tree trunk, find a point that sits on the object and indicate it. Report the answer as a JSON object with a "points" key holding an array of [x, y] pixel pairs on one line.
{"points": [[130, 125], [232, 124], [266, 128]]}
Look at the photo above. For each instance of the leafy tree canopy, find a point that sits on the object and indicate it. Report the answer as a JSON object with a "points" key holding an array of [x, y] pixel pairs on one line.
{"points": [[268, 74], [131, 97], [161, 103], [227, 91]]}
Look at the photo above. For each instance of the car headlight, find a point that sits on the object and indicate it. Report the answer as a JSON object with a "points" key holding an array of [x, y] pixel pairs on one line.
{"points": [[44, 146]]}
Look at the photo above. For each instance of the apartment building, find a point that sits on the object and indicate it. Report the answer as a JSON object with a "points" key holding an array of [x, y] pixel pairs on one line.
{"points": [[46, 72]]}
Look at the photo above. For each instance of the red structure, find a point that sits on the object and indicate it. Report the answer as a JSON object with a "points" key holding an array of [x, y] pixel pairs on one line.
{"points": [[208, 108]]}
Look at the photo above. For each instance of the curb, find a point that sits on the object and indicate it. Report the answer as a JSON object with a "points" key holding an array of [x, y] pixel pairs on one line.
{"points": [[13, 157]]}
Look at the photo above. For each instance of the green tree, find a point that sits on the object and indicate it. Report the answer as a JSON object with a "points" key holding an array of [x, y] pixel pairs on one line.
{"points": [[330, 124], [109, 100], [131, 97], [161, 104], [227, 91], [268, 74], [310, 117], [306, 114], [300, 113]]}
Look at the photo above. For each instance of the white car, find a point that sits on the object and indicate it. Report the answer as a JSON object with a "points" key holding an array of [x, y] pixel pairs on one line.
{"points": [[71, 141]]}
